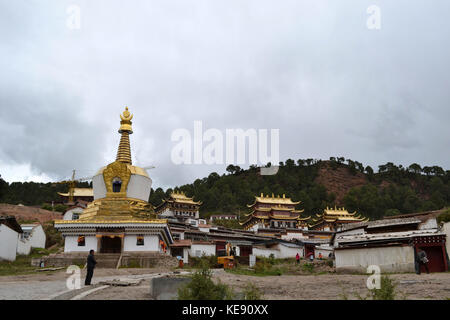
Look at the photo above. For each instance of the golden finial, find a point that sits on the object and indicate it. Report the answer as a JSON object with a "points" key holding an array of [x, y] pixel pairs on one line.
{"points": [[125, 123], [126, 115], [124, 150]]}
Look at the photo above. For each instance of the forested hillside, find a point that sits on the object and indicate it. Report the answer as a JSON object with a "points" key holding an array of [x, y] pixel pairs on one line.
{"points": [[316, 183], [33, 193]]}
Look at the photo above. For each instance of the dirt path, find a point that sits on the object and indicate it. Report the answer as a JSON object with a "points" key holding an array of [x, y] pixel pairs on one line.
{"points": [[286, 287], [336, 286]]}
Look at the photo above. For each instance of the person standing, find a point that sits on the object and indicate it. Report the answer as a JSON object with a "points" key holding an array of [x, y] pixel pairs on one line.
{"points": [[422, 260], [297, 258], [90, 268]]}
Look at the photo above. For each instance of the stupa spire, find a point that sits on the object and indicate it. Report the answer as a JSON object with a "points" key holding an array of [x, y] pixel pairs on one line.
{"points": [[124, 150]]}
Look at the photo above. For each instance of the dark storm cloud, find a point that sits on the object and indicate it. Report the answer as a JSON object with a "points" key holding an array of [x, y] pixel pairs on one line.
{"points": [[311, 69]]}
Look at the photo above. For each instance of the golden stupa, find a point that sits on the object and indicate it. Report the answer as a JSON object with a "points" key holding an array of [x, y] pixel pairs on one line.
{"points": [[121, 190]]}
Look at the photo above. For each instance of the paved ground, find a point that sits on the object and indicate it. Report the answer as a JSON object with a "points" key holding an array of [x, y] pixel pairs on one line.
{"points": [[50, 286], [325, 286]]}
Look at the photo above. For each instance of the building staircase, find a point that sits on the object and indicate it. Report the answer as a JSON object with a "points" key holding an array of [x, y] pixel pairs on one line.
{"points": [[109, 260]]}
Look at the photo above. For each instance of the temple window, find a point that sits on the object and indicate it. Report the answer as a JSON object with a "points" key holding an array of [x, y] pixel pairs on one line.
{"points": [[117, 184], [140, 241], [81, 241]]}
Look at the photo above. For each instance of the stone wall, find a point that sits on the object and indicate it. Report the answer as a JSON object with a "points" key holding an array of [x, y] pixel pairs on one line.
{"points": [[166, 288], [148, 260]]}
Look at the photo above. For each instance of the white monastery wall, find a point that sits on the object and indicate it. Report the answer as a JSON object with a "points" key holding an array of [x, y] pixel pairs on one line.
{"points": [[389, 259], [71, 244], [266, 252], [23, 246], [8, 243], [289, 252], [151, 243], [197, 250], [446, 230], [37, 237]]}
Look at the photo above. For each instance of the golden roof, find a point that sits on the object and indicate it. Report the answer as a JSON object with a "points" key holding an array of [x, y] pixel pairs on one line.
{"points": [[152, 221], [117, 209], [273, 200], [342, 212], [79, 192], [181, 197], [336, 215]]}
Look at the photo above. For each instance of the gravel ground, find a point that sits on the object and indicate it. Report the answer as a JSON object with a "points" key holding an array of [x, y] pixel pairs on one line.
{"points": [[289, 287], [338, 286]]}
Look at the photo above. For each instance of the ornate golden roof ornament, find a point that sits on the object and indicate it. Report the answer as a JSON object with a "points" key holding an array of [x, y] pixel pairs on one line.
{"points": [[124, 150], [125, 123]]}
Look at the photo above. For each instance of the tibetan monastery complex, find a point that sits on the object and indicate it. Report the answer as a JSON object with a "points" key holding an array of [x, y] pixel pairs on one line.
{"points": [[121, 225]]}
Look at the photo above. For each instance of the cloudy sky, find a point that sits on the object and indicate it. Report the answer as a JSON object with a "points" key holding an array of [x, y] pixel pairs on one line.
{"points": [[312, 69]]}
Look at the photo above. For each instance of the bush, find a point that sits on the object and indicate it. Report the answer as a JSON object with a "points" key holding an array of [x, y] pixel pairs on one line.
{"points": [[308, 267], [444, 217], [47, 206], [330, 263], [202, 287], [60, 207], [198, 262], [386, 291], [251, 292], [53, 236]]}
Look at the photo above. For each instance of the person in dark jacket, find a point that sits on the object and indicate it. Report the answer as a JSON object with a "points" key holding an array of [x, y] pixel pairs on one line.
{"points": [[90, 268], [422, 260]]}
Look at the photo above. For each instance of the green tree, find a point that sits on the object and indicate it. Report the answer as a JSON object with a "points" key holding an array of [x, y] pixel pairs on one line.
{"points": [[202, 287]]}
